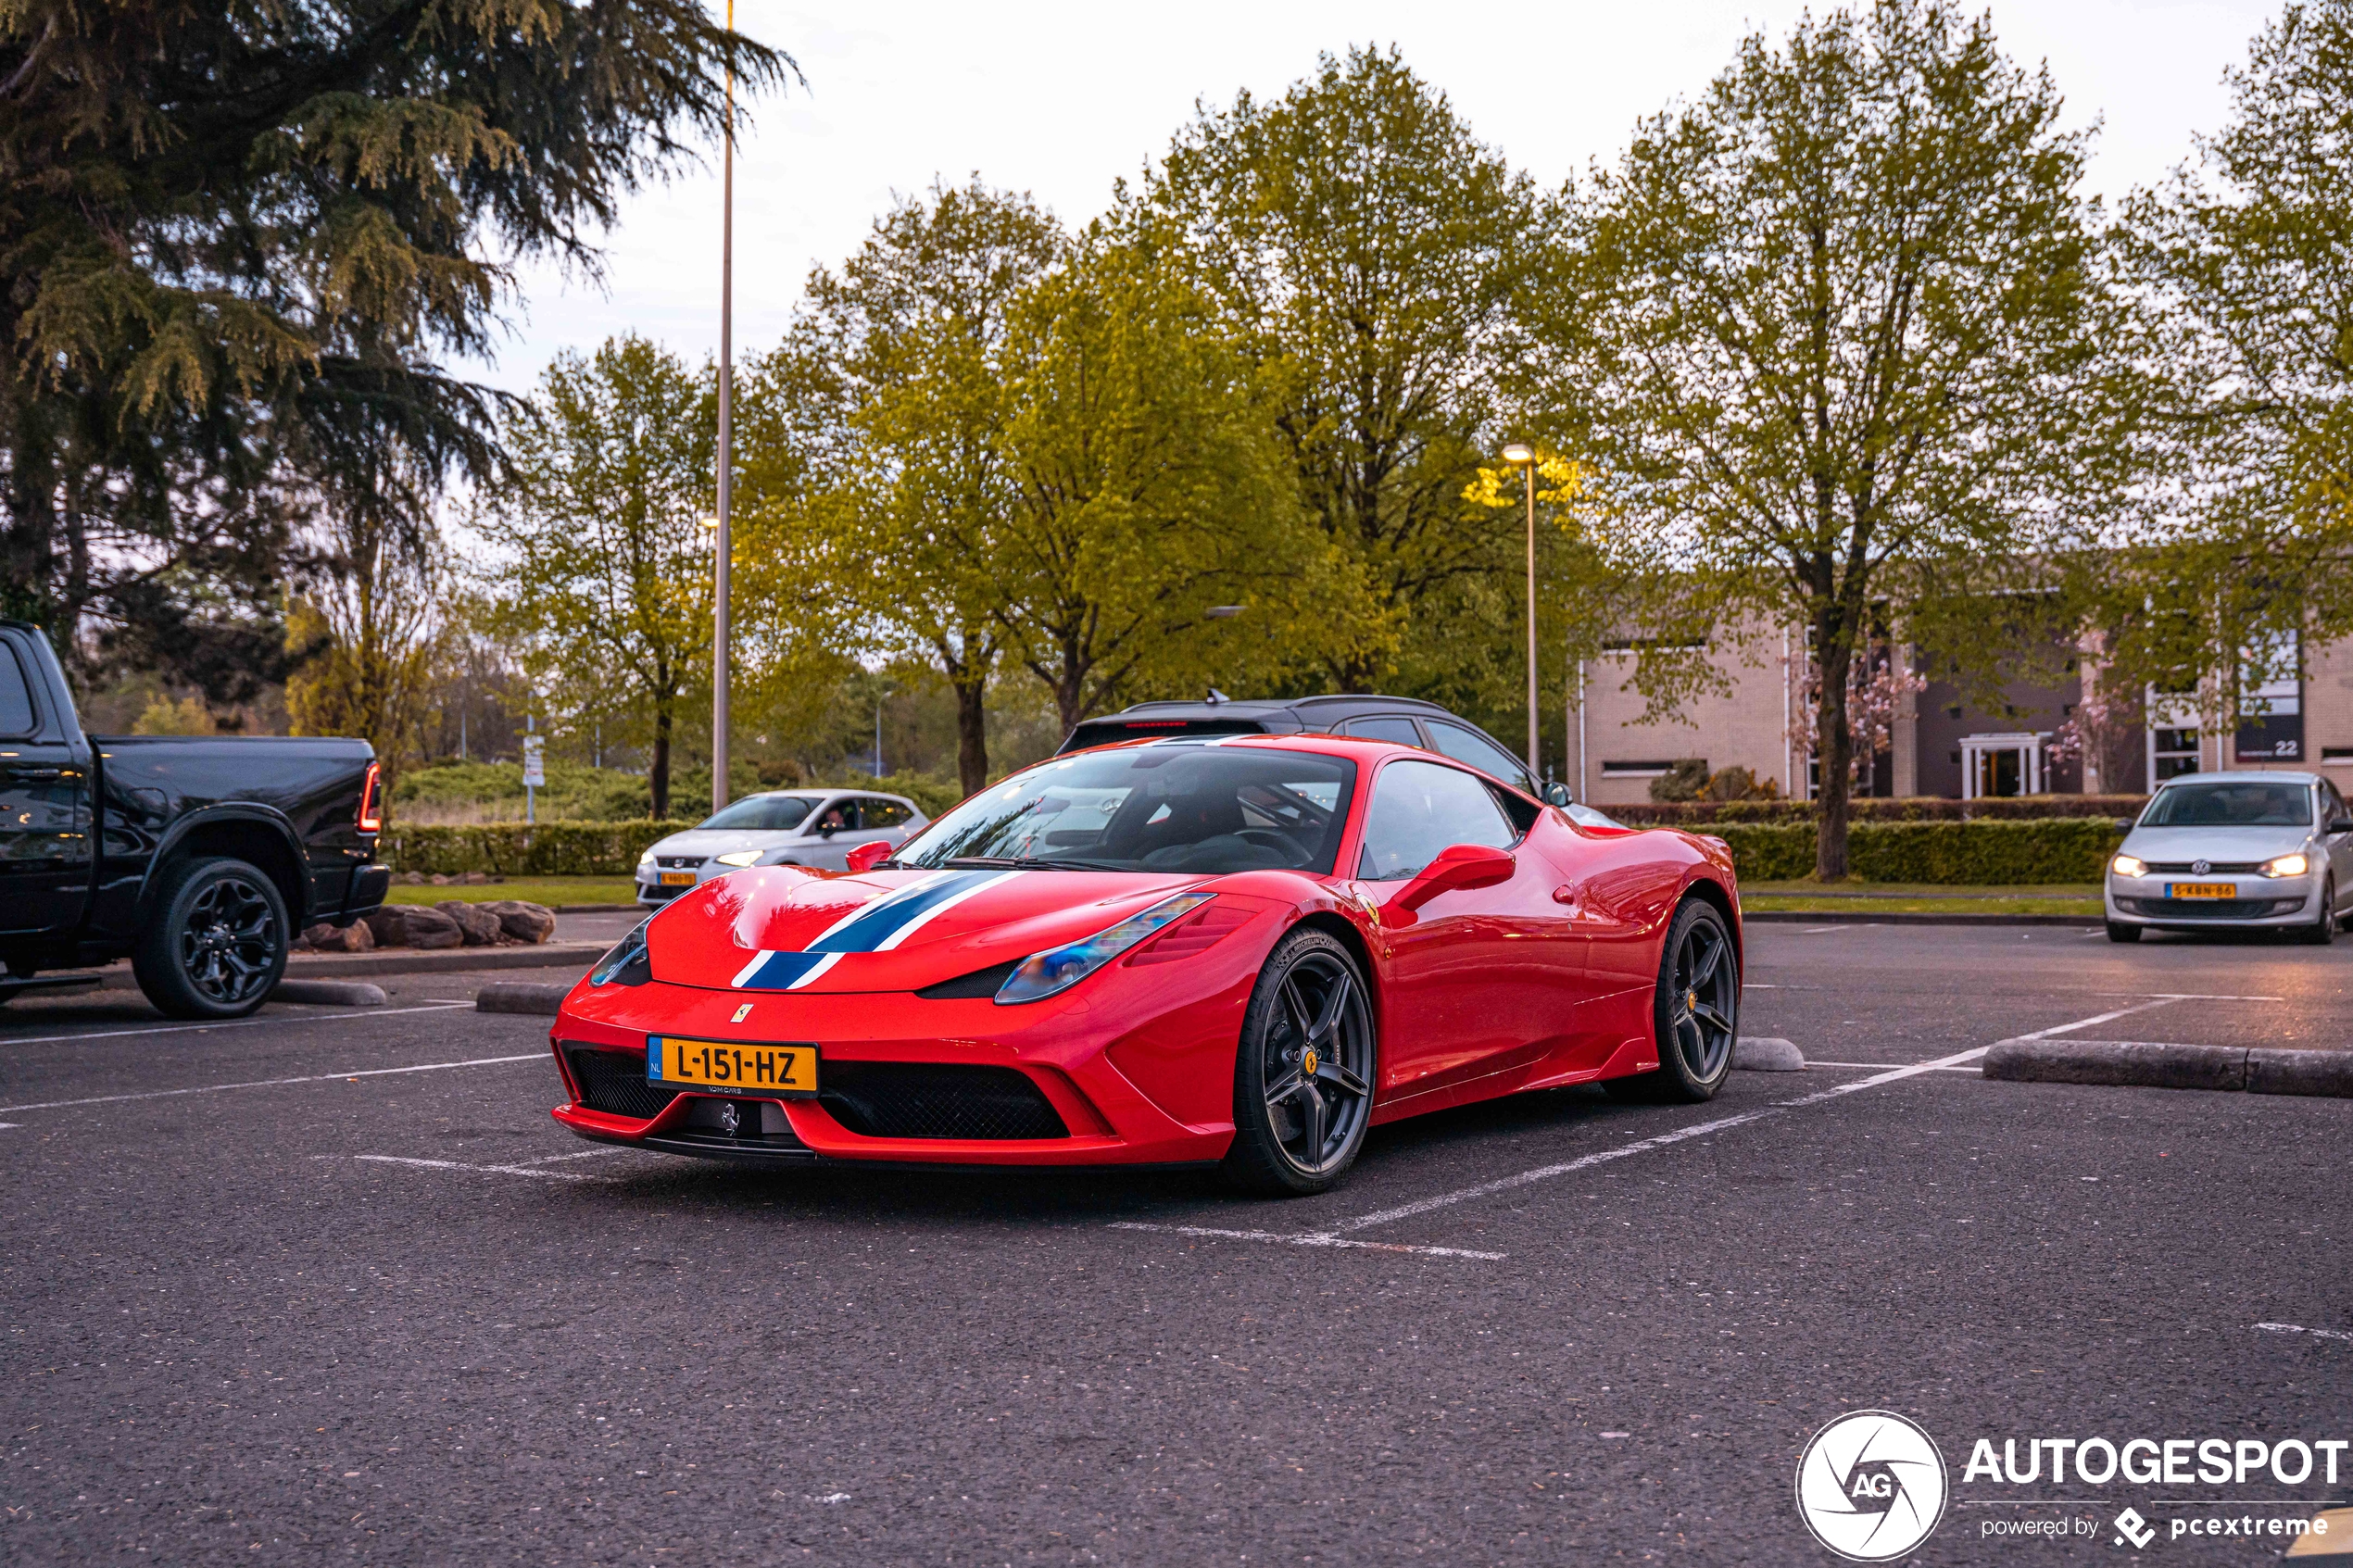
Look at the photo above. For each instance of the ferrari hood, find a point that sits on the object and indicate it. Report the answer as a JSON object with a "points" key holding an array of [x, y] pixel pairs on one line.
{"points": [[781, 928]]}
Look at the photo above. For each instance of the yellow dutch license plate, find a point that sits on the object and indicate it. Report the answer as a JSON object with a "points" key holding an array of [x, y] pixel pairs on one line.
{"points": [[732, 1065], [2201, 890], [677, 879]]}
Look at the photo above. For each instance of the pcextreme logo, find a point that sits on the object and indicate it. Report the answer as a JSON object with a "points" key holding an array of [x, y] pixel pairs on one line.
{"points": [[1871, 1486]]}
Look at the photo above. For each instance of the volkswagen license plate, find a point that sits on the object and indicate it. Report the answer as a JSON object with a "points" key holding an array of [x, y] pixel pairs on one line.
{"points": [[2201, 890]]}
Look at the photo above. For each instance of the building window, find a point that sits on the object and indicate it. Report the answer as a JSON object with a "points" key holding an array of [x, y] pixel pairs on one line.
{"points": [[1636, 770], [2171, 754]]}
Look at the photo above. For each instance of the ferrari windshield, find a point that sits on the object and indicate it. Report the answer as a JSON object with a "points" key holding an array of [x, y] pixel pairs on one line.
{"points": [[1172, 805], [2251, 804]]}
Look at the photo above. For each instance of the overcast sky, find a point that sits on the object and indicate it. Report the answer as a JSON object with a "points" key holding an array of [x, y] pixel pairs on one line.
{"points": [[1062, 100]]}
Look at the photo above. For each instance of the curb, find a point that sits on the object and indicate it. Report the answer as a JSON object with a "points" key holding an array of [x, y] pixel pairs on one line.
{"points": [[1767, 1053], [1864, 917], [559, 908], [535, 997], [329, 993], [2156, 1065], [440, 960]]}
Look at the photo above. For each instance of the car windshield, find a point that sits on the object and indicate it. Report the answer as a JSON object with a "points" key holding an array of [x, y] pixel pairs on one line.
{"points": [[1173, 806], [770, 813], [2250, 804]]}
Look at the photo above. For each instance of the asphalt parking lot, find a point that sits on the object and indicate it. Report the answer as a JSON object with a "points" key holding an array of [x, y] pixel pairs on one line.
{"points": [[330, 1286]]}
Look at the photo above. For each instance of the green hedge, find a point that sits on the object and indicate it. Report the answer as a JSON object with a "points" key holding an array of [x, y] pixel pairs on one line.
{"points": [[2058, 849], [1904, 809], [521, 849]]}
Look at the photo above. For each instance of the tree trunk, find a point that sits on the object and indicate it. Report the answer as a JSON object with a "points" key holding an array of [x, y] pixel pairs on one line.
{"points": [[1833, 743], [972, 735], [657, 778]]}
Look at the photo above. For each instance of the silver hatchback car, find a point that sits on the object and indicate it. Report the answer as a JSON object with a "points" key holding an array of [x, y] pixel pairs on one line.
{"points": [[2256, 849], [784, 827]]}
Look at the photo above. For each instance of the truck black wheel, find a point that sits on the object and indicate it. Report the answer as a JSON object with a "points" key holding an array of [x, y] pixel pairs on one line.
{"points": [[215, 943]]}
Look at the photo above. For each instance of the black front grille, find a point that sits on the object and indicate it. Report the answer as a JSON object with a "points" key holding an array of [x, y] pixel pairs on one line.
{"points": [[615, 1083], [2213, 868], [679, 863], [2209, 908], [916, 1100]]}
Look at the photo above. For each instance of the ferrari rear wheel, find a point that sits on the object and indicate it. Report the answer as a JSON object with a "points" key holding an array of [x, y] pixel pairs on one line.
{"points": [[1696, 1012], [1304, 1077]]}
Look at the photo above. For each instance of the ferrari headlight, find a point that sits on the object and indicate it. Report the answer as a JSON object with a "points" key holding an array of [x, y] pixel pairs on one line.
{"points": [[2286, 865], [738, 858], [628, 963], [1057, 969], [2129, 865]]}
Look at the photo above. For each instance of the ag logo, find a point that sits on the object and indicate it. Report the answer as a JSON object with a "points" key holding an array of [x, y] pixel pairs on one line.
{"points": [[1871, 1486]]}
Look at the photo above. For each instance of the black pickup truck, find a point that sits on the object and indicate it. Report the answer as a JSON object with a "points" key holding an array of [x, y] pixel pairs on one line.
{"points": [[197, 860]]}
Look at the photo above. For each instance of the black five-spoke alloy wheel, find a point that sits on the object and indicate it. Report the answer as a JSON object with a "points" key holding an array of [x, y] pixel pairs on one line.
{"points": [[1697, 1010], [216, 942], [1303, 1078]]}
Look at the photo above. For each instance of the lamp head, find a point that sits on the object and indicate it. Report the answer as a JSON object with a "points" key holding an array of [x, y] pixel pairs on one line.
{"points": [[1519, 452]]}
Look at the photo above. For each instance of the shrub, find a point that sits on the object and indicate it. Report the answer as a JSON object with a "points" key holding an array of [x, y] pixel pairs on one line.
{"points": [[1981, 854], [1909, 808], [1683, 781], [523, 850]]}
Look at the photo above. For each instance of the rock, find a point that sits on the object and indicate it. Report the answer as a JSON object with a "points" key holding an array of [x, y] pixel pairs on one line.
{"points": [[318, 936], [479, 925], [474, 879], [388, 925], [438, 880], [1766, 1054], [524, 922], [428, 928], [353, 939]]}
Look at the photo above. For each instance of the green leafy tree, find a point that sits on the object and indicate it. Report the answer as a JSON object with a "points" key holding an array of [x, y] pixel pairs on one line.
{"points": [[607, 579], [234, 239], [1840, 335], [899, 360], [1367, 249], [369, 617], [2248, 256]]}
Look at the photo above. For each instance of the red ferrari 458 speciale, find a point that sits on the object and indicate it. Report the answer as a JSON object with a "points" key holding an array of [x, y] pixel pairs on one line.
{"points": [[1244, 950]]}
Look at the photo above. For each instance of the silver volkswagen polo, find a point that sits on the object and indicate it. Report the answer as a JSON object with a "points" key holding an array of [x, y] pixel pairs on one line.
{"points": [[784, 827], [2256, 849]]}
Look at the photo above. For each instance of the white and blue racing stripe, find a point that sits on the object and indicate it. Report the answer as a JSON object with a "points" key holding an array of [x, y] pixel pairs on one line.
{"points": [[875, 928]]}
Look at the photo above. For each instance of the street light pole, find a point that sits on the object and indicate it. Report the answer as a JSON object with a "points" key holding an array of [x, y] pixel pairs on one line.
{"points": [[1525, 457], [726, 444]]}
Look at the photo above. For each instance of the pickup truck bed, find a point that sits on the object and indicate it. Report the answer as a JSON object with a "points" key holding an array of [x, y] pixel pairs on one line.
{"points": [[199, 858]]}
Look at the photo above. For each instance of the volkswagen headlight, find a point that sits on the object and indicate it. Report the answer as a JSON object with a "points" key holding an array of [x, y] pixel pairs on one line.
{"points": [[645, 860], [2286, 865], [1057, 969], [739, 857], [2129, 865]]}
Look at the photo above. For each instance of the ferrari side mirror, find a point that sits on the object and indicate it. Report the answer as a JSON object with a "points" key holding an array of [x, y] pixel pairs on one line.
{"points": [[1557, 795], [1457, 866], [864, 856]]}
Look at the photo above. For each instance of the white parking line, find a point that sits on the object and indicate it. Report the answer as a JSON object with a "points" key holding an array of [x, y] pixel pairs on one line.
{"points": [[1816, 1061], [1317, 1238], [2299, 1328], [525, 1168], [303, 1017], [1722, 1124], [279, 1083]]}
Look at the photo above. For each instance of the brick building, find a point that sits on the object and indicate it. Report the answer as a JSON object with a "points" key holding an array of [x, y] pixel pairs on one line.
{"points": [[1941, 743]]}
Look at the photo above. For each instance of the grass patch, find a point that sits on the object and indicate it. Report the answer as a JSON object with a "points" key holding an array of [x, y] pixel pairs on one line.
{"points": [[556, 892], [1855, 889]]}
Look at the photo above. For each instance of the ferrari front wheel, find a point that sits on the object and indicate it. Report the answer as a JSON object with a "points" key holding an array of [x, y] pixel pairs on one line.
{"points": [[1696, 1011], [1304, 1077]]}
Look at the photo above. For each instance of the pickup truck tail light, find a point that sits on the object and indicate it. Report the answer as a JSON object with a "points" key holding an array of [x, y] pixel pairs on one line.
{"points": [[372, 811]]}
